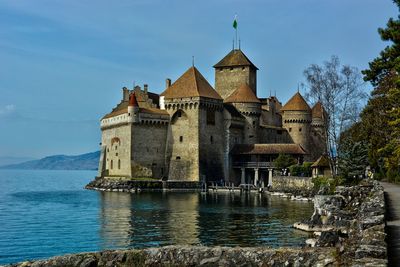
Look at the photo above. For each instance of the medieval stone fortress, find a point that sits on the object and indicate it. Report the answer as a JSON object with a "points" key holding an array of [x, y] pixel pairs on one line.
{"points": [[193, 132]]}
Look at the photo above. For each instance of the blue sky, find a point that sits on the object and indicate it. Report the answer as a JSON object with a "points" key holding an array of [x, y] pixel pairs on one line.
{"points": [[63, 63]]}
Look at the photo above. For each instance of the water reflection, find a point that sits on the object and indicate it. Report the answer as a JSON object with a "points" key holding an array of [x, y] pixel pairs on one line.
{"points": [[155, 219]]}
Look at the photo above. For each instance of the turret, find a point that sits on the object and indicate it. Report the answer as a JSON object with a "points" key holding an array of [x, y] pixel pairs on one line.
{"points": [[318, 130], [133, 109], [296, 118]]}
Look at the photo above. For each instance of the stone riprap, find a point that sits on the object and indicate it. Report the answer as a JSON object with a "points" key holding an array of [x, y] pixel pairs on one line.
{"points": [[353, 221], [195, 256], [129, 185]]}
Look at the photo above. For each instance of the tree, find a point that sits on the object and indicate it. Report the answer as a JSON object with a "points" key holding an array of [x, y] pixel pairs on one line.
{"points": [[284, 161], [383, 73], [340, 90], [353, 156]]}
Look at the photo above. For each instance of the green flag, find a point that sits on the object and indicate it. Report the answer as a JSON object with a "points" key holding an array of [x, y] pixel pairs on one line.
{"points": [[235, 22]]}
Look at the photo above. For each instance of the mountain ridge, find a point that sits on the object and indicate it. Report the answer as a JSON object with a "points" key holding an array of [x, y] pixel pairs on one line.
{"points": [[87, 161]]}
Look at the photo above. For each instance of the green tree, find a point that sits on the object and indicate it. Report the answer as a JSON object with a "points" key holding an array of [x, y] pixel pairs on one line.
{"points": [[284, 161], [353, 160], [383, 73]]}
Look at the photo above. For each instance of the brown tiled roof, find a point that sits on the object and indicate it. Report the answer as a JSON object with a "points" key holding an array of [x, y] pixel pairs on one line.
{"points": [[296, 103], [322, 161], [243, 94], [154, 111], [292, 149], [235, 58], [121, 108], [191, 84], [318, 110]]}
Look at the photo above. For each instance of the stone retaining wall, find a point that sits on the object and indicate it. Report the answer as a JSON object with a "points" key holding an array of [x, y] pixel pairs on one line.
{"points": [[194, 256], [299, 186]]}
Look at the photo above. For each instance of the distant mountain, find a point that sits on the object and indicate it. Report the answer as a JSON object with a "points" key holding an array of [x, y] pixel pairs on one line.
{"points": [[13, 160], [89, 161]]}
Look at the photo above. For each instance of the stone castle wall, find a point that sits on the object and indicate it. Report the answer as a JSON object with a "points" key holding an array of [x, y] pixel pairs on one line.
{"points": [[148, 150], [117, 142], [183, 143], [298, 125]]}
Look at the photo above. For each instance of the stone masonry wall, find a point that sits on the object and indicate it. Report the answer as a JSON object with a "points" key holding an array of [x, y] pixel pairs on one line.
{"points": [[299, 186]]}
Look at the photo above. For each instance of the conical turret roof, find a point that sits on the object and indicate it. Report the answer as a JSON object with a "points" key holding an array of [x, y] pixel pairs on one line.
{"points": [[191, 84], [235, 58], [244, 94], [296, 103], [132, 100], [318, 110]]}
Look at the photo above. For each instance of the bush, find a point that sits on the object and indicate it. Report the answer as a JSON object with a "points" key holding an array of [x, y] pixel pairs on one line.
{"points": [[326, 182], [301, 170]]}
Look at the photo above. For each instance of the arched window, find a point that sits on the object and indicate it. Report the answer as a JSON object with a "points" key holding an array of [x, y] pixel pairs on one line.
{"points": [[119, 164], [111, 164]]}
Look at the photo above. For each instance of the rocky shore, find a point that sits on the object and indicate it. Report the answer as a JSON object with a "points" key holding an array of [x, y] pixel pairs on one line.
{"points": [[352, 221], [195, 256]]}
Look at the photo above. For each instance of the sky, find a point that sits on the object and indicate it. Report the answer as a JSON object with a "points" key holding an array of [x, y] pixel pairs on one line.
{"points": [[63, 63]]}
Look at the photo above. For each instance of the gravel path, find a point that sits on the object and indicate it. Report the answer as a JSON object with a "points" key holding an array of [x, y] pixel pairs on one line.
{"points": [[392, 197]]}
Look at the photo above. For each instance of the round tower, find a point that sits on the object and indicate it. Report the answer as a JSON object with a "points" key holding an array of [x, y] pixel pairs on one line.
{"points": [[318, 130], [247, 103], [133, 109], [296, 119]]}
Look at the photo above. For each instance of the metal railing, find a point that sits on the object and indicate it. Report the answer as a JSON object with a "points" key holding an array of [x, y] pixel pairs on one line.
{"points": [[253, 164]]}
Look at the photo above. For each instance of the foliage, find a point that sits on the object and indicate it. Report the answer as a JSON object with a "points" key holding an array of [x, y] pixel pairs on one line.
{"points": [[284, 161], [381, 117], [301, 170], [353, 160], [339, 89], [329, 183]]}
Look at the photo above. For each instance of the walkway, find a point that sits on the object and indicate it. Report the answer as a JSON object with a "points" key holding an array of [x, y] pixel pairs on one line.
{"points": [[392, 197]]}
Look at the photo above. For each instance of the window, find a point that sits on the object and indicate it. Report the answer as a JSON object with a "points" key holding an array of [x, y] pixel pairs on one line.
{"points": [[116, 154], [119, 164], [251, 136], [111, 165], [279, 132], [210, 117], [179, 113], [290, 129], [115, 147], [254, 123], [178, 158], [299, 129], [108, 150], [181, 138], [231, 68], [211, 139]]}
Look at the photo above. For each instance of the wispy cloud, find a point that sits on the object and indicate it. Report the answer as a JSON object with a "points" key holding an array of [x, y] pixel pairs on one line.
{"points": [[7, 110]]}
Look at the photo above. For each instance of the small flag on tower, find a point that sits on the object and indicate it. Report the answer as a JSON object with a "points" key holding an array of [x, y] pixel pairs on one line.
{"points": [[235, 22]]}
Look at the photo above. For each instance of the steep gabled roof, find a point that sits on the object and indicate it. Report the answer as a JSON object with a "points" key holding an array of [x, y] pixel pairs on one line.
{"points": [[318, 110], [244, 94], [268, 149], [191, 84], [322, 161], [235, 58], [296, 103]]}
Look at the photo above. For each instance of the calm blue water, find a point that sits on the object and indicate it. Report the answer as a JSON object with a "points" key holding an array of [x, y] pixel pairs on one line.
{"points": [[47, 213]]}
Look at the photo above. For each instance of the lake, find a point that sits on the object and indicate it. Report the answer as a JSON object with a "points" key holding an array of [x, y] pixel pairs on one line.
{"points": [[47, 213]]}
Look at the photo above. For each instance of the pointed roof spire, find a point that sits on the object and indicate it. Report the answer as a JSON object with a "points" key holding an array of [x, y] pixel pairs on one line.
{"points": [[191, 84], [318, 110], [235, 58], [296, 103], [244, 94], [132, 100]]}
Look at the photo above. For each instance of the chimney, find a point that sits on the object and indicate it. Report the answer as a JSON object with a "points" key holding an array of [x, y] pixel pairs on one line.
{"points": [[167, 82], [125, 94], [145, 88]]}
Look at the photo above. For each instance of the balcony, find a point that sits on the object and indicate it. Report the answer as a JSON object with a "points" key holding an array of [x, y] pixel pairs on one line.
{"points": [[253, 164]]}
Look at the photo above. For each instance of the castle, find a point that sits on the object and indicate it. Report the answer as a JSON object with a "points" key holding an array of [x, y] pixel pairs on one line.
{"points": [[193, 132]]}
